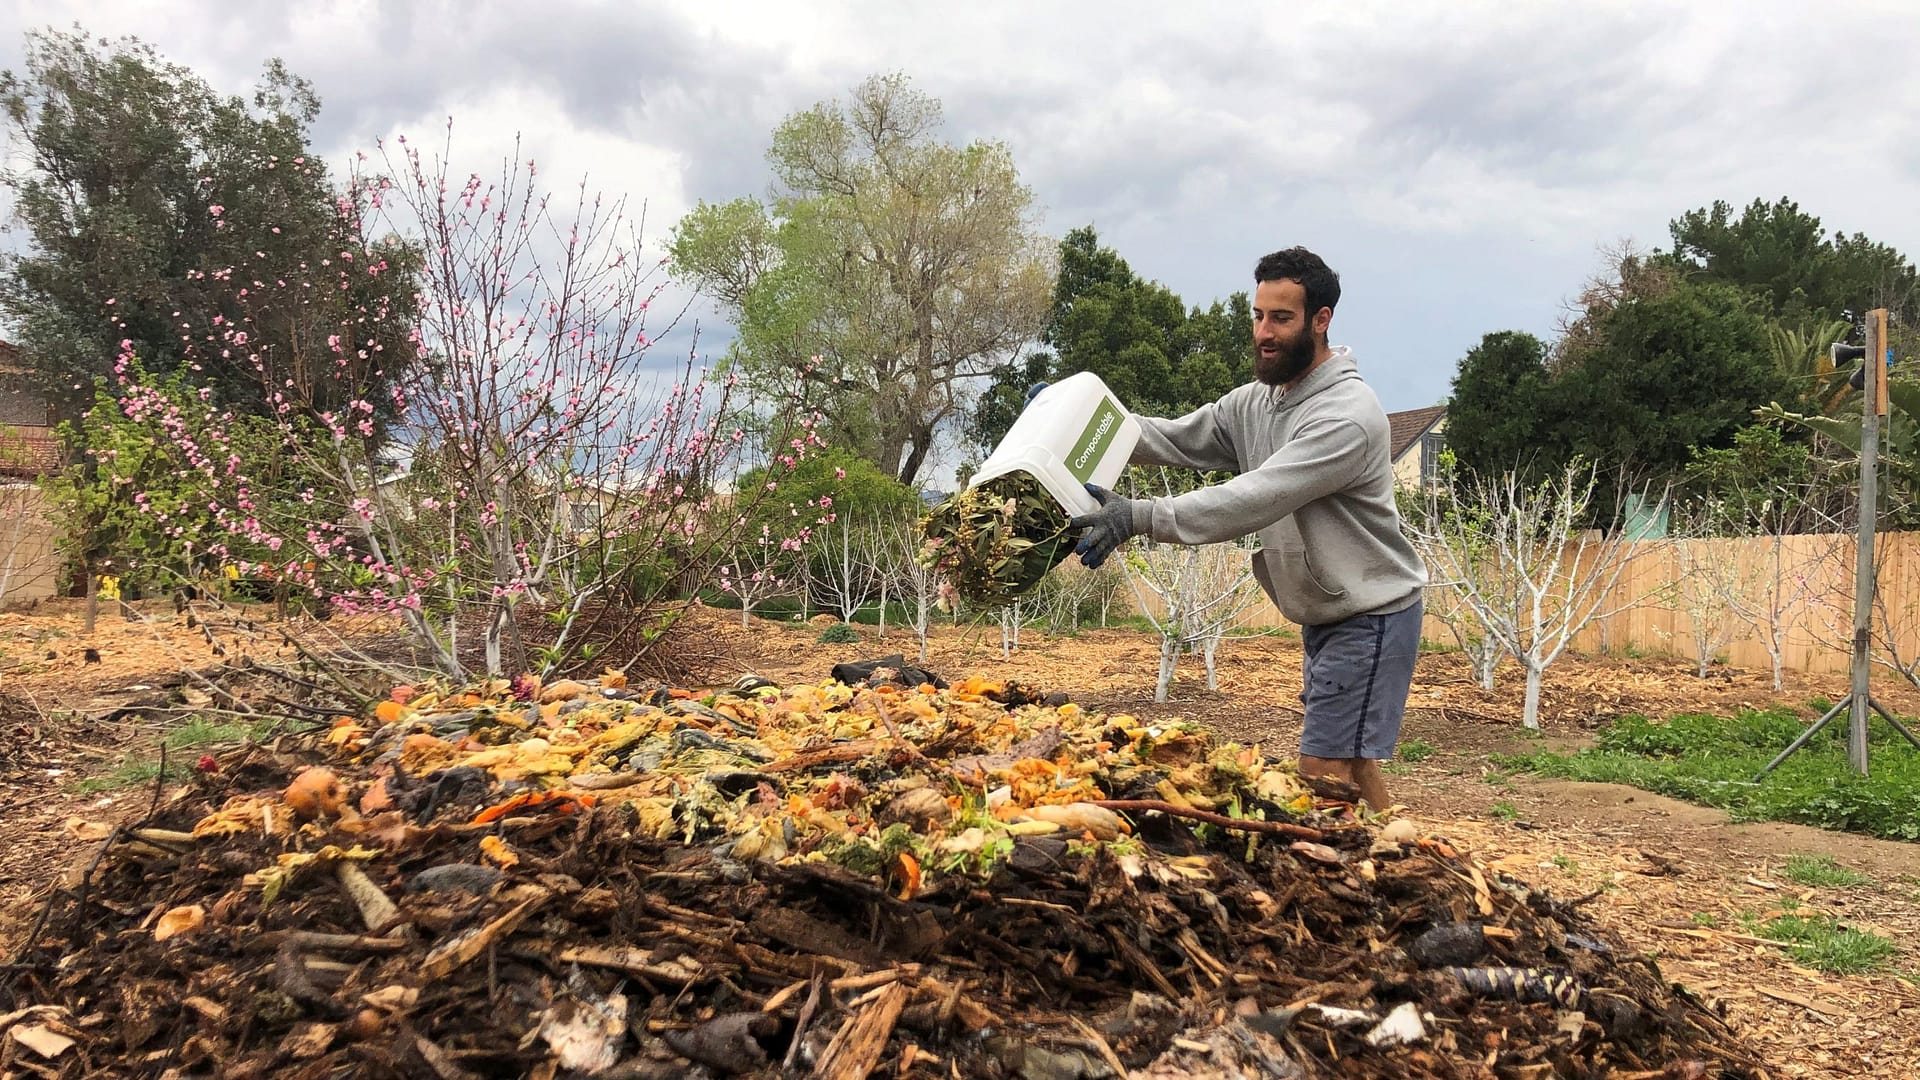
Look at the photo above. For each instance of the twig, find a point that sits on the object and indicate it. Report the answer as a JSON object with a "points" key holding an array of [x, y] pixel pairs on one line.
{"points": [[1279, 827], [1100, 1044], [913, 752], [805, 1018], [86, 880], [159, 784], [290, 978], [308, 939]]}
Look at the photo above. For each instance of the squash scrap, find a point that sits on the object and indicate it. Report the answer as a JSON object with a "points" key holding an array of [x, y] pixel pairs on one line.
{"points": [[316, 792], [557, 801]]}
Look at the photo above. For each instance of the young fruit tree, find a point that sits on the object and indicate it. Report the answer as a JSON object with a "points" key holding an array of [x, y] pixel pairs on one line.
{"points": [[1554, 572], [1193, 595], [1446, 598], [843, 576], [1780, 505], [756, 571], [1709, 584], [915, 582], [541, 491]]}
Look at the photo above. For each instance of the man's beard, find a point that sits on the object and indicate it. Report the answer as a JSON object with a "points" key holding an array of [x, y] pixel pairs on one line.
{"points": [[1294, 358]]}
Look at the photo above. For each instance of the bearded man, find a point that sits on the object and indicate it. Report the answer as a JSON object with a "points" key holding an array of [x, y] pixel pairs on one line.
{"points": [[1308, 443]]}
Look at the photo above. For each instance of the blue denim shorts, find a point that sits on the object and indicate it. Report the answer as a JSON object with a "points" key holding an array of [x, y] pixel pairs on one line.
{"points": [[1357, 674]]}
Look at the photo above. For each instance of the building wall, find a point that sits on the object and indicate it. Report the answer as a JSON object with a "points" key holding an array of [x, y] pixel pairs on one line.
{"points": [[29, 561], [1407, 471]]}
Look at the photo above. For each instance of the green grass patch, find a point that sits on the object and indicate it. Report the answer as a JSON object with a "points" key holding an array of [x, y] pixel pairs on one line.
{"points": [[1713, 760], [1505, 810], [1412, 750], [1823, 942], [1822, 872], [182, 744]]}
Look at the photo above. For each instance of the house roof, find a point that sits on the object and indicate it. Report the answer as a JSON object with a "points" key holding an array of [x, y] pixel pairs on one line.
{"points": [[1408, 426], [28, 451]]}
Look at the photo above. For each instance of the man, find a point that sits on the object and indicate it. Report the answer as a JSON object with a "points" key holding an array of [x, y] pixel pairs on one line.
{"points": [[1309, 443]]}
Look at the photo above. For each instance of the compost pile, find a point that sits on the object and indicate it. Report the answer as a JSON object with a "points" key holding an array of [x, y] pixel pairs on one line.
{"points": [[892, 876], [996, 540]]}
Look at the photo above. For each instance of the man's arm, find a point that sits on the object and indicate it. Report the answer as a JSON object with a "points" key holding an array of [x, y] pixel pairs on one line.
{"points": [[1195, 441], [1322, 458]]}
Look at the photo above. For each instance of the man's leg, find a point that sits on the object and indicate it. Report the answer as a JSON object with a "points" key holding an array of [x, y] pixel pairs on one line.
{"points": [[1357, 675]]}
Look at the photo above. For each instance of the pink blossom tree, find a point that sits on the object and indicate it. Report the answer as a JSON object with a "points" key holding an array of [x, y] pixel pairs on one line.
{"points": [[544, 487]]}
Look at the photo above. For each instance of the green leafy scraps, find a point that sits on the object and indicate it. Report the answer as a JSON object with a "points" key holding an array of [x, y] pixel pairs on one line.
{"points": [[994, 541]]}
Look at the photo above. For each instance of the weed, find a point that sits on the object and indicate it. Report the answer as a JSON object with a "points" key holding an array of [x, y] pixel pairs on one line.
{"points": [[200, 731], [1565, 863], [131, 772], [1823, 942], [1820, 871], [1705, 920], [1505, 810]]}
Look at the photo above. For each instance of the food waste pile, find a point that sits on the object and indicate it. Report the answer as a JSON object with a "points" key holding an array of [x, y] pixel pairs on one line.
{"points": [[877, 874]]}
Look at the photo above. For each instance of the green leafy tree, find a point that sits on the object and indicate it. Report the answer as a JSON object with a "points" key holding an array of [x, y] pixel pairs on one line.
{"points": [[134, 503], [1672, 371], [1216, 349], [1500, 410], [1763, 483], [152, 206], [1653, 367], [1136, 335], [908, 266]]}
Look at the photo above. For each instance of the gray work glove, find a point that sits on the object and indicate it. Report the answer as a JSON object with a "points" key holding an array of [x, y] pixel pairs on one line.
{"points": [[1107, 528]]}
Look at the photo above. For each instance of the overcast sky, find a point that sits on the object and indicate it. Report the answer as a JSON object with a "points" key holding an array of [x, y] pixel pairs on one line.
{"points": [[1458, 163]]}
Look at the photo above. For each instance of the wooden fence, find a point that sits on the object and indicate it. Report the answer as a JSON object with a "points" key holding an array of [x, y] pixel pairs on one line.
{"points": [[1648, 608]]}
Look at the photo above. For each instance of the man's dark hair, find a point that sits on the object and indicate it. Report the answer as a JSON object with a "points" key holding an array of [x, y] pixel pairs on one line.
{"points": [[1322, 285]]}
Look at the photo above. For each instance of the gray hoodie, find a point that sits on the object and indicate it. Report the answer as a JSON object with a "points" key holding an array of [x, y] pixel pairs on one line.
{"points": [[1315, 480]]}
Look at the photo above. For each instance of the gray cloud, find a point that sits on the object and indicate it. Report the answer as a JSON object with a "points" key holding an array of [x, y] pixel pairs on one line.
{"points": [[1459, 163]]}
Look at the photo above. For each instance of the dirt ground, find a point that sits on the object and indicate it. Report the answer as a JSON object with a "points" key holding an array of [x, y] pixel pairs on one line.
{"points": [[1656, 869]]}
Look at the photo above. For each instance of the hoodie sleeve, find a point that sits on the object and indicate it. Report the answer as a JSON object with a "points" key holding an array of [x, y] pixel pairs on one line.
{"points": [[1321, 458], [1197, 440]]}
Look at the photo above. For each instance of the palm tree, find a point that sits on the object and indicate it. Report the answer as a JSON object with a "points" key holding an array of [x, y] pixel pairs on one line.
{"points": [[1800, 353]]}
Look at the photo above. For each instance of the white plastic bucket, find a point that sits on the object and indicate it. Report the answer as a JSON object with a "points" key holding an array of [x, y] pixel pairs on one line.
{"points": [[1074, 433]]}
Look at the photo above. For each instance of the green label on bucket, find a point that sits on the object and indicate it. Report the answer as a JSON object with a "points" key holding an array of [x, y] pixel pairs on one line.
{"points": [[1093, 442]]}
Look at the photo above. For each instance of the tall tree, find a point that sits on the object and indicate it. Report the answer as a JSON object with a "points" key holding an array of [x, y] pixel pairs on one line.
{"points": [[1136, 335], [907, 265], [1782, 253], [147, 197]]}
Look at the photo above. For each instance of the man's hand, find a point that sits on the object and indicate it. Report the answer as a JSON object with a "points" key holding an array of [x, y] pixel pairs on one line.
{"points": [[1106, 528], [1034, 392]]}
